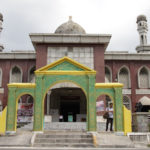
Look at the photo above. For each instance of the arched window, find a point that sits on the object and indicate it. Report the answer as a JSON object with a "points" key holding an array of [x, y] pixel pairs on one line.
{"points": [[16, 75], [127, 102], [143, 77], [124, 77], [1, 77], [142, 39], [108, 75], [31, 76]]}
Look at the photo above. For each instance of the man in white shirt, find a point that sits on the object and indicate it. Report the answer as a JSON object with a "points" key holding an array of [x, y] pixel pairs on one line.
{"points": [[110, 118]]}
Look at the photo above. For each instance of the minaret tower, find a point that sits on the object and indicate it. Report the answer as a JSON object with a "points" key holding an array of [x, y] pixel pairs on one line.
{"points": [[1, 21], [142, 28]]}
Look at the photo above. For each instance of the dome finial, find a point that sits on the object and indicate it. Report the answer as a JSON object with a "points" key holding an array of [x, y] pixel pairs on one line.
{"points": [[70, 27], [70, 18]]}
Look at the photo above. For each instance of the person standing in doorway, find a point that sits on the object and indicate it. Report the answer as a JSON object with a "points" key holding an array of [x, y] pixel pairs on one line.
{"points": [[110, 117]]}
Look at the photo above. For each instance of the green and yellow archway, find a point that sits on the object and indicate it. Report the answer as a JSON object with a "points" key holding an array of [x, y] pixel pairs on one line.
{"points": [[62, 70]]}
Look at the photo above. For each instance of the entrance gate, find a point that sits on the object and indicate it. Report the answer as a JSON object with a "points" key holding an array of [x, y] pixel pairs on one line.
{"points": [[64, 70]]}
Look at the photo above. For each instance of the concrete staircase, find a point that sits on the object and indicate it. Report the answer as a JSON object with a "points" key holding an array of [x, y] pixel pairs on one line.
{"points": [[64, 139], [70, 126], [111, 140]]}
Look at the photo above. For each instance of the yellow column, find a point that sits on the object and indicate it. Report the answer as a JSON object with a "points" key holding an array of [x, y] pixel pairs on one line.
{"points": [[3, 121], [127, 120]]}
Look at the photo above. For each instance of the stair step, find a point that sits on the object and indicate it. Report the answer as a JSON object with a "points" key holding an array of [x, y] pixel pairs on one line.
{"points": [[63, 136], [76, 145], [64, 131], [64, 140]]}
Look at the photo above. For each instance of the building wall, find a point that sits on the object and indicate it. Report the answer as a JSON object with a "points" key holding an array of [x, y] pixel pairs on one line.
{"points": [[133, 66], [6, 65], [140, 122], [43, 56], [90, 55], [93, 55], [83, 55]]}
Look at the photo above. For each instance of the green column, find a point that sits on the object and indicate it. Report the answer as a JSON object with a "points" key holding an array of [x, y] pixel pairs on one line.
{"points": [[38, 105], [119, 126], [91, 115], [11, 110]]}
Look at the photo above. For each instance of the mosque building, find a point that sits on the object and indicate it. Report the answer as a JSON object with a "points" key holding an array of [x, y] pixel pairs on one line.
{"points": [[71, 40]]}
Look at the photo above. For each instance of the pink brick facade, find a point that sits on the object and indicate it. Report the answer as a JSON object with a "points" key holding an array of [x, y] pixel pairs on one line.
{"points": [[76, 37], [134, 66], [99, 65], [6, 66]]}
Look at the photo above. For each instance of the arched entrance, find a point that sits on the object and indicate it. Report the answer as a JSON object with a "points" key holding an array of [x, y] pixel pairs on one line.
{"points": [[102, 104], [64, 101], [25, 111], [16, 90], [66, 70]]}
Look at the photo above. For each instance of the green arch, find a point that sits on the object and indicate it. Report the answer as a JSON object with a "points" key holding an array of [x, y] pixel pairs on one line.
{"points": [[56, 82], [111, 93], [61, 81], [115, 93], [17, 99], [15, 92], [65, 69], [47, 82]]}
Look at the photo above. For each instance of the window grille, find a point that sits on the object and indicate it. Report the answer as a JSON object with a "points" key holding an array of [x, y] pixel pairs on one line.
{"points": [[16, 75], [144, 82], [124, 77], [127, 102]]}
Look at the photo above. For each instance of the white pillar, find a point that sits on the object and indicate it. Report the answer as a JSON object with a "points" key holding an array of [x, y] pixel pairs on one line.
{"points": [[48, 102]]}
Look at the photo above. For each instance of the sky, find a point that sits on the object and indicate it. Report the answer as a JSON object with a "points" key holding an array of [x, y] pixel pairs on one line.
{"points": [[115, 17]]}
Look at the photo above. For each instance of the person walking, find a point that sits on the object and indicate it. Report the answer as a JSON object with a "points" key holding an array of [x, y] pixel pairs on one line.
{"points": [[110, 117]]}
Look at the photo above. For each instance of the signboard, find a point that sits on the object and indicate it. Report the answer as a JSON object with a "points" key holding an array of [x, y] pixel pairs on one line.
{"points": [[100, 106], [25, 112]]}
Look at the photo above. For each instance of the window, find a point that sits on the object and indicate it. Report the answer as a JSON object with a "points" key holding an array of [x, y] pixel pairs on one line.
{"points": [[142, 39], [143, 78], [127, 102], [108, 75], [31, 76], [124, 77], [16, 75]]}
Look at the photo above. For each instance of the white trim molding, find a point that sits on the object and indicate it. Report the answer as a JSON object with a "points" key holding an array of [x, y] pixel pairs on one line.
{"points": [[70, 38], [110, 55], [1, 90], [126, 91], [142, 91], [18, 55]]}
